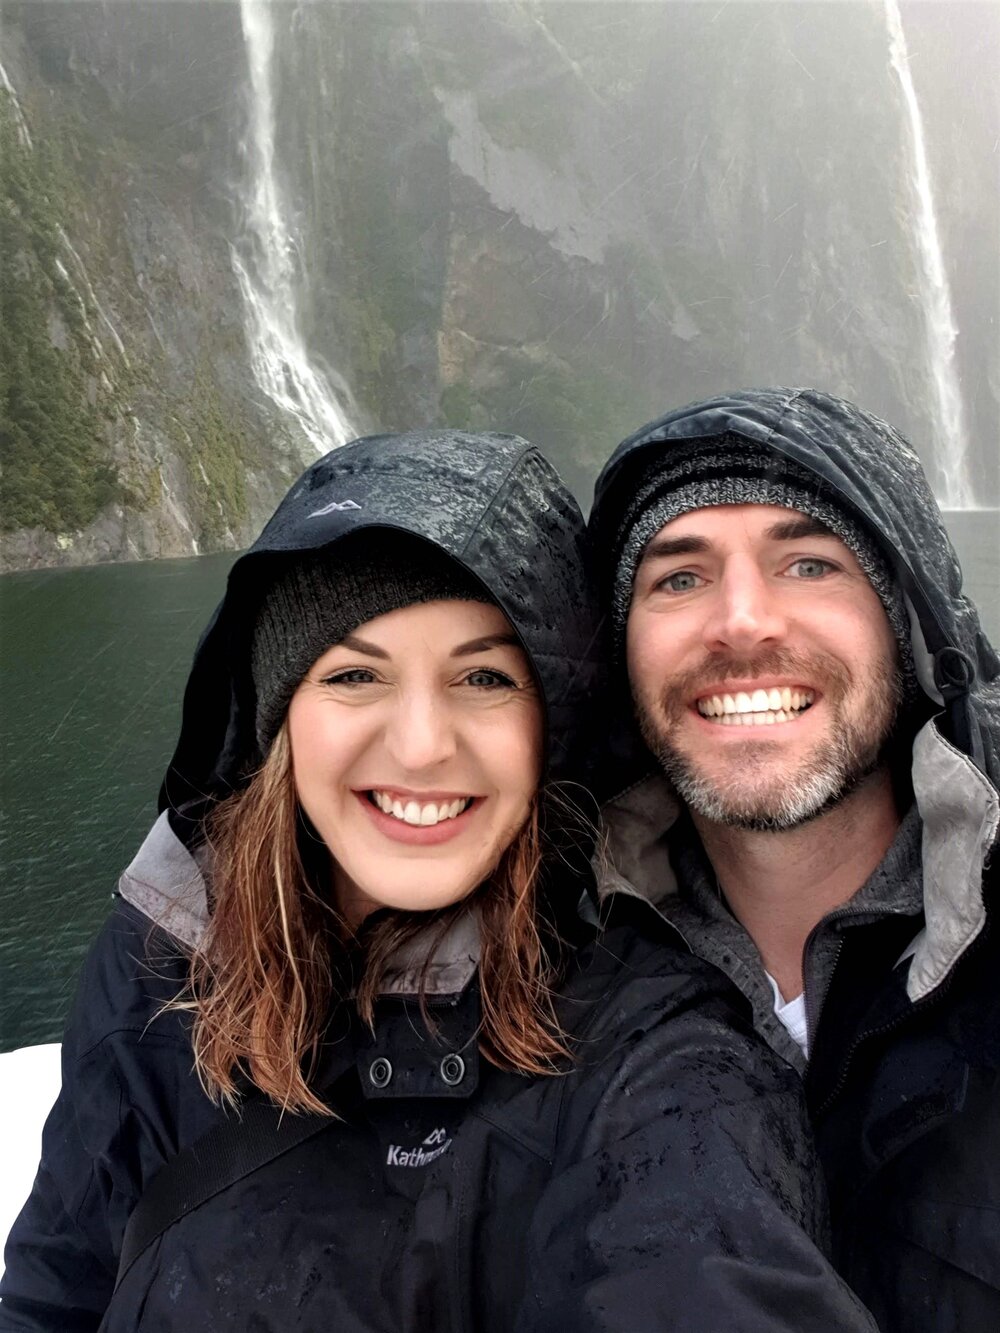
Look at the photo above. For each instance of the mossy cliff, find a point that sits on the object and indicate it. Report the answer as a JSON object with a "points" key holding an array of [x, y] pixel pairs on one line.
{"points": [[557, 219], [128, 429]]}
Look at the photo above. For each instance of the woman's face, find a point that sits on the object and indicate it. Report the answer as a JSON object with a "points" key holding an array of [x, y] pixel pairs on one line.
{"points": [[416, 750]]}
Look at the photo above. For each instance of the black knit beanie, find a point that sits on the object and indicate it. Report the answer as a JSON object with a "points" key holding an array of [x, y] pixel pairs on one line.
{"points": [[728, 471], [326, 594]]}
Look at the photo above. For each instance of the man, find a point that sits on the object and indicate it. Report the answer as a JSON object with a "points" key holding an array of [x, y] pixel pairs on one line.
{"points": [[821, 699]]}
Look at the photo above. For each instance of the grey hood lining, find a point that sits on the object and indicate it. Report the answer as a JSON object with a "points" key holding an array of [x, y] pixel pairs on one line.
{"points": [[960, 813], [166, 882]]}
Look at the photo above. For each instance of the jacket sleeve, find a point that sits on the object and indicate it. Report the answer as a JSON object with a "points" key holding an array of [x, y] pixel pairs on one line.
{"points": [[60, 1272], [99, 1144], [686, 1194]]}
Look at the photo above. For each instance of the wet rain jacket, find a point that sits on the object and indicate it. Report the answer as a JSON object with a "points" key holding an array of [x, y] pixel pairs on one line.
{"points": [[903, 1079], [665, 1182]]}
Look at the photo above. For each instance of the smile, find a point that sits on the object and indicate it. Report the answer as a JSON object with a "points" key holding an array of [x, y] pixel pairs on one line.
{"points": [[420, 815], [761, 708]]}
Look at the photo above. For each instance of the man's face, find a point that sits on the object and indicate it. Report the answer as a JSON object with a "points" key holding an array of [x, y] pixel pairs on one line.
{"points": [[763, 666]]}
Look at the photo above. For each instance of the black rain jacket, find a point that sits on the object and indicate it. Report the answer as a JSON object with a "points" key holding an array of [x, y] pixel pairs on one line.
{"points": [[903, 1079], [664, 1181]]}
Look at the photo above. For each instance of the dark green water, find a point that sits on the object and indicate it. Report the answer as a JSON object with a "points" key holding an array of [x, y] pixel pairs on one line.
{"points": [[91, 676]]}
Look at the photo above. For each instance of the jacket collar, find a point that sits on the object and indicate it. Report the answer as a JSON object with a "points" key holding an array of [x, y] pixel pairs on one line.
{"points": [[960, 815], [166, 882]]}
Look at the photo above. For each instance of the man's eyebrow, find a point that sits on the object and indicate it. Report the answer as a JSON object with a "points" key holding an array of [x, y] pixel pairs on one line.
{"points": [[661, 547], [794, 529], [484, 644]]}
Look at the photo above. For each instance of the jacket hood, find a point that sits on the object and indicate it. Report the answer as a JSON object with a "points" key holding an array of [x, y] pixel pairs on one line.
{"points": [[491, 502], [874, 474]]}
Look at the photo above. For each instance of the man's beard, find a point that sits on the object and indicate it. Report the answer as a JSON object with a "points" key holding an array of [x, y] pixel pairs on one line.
{"points": [[756, 791]]}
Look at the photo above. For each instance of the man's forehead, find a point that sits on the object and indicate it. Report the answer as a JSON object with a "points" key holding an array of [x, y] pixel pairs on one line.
{"points": [[701, 529]]}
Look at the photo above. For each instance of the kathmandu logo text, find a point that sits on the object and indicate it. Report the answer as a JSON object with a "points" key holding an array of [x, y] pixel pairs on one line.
{"points": [[335, 506], [436, 1143]]}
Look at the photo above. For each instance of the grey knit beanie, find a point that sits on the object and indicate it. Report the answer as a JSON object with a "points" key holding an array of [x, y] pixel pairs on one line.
{"points": [[728, 471], [324, 595]]}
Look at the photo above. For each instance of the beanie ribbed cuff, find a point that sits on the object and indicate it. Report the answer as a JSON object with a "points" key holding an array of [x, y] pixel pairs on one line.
{"points": [[326, 594], [725, 473]]}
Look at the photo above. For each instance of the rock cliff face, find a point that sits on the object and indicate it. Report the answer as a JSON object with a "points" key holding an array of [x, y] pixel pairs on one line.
{"points": [[557, 219]]}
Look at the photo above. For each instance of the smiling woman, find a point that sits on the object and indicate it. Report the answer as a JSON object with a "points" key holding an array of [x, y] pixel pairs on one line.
{"points": [[436, 745], [406, 759], [353, 1013]]}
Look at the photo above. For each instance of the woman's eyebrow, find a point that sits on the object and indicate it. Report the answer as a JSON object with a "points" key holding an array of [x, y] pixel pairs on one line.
{"points": [[484, 644], [357, 645]]}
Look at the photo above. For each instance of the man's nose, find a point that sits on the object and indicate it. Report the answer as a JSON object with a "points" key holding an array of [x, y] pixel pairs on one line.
{"points": [[747, 611], [420, 731]]}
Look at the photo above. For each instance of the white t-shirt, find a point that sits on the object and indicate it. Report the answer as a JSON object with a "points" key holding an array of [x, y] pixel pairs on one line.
{"points": [[792, 1014]]}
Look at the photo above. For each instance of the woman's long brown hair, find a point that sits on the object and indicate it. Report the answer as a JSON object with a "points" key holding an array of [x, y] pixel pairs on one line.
{"points": [[265, 978]]}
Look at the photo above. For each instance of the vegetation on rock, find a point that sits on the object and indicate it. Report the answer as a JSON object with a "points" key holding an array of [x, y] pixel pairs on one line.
{"points": [[53, 454]]}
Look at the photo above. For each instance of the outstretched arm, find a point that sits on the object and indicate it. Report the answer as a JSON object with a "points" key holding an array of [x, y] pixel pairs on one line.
{"points": [[687, 1196]]}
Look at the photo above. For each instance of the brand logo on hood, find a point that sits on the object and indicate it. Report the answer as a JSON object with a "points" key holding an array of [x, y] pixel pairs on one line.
{"points": [[333, 507]]}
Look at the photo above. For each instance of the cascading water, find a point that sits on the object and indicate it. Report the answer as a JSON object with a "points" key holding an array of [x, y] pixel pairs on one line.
{"points": [[91, 297], [950, 466], [15, 106], [266, 269]]}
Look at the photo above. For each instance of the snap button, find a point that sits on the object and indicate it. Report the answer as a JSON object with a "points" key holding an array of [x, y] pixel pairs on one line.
{"points": [[452, 1070], [380, 1072]]}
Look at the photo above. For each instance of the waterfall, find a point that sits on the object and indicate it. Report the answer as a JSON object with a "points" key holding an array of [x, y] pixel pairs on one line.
{"points": [[20, 123], [92, 295], [267, 268], [953, 482], [24, 137]]}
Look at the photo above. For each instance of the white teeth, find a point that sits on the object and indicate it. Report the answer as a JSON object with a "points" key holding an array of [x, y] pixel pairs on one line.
{"points": [[423, 816], [762, 707]]}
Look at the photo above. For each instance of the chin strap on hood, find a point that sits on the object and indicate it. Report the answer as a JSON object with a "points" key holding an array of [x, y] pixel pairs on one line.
{"points": [[954, 677]]}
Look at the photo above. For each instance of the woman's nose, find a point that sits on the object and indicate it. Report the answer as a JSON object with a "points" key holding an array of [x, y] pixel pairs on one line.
{"points": [[746, 612], [420, 731]]}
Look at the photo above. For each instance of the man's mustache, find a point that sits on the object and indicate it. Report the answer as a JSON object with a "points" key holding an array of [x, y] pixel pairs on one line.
{"points": [[817, 670]]}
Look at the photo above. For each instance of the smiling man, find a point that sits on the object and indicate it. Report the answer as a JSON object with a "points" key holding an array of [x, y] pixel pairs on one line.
{"points": [[825, 713]]}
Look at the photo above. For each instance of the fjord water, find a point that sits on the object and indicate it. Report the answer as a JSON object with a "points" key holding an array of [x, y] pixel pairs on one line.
{"points": [[91, 679], [92, 675]]}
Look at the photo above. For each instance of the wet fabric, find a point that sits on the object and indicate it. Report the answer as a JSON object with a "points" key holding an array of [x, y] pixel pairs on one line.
{"points": [[664, 1179], [902, 1001]]}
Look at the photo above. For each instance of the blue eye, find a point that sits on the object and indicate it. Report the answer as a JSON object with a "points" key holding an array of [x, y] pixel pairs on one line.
{"points": [[354, 676], [485, 679], [684, 580], [810, 567]]}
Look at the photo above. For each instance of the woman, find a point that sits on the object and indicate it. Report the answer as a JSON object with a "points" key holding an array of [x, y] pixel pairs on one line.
{"points": [[346, 1015]]}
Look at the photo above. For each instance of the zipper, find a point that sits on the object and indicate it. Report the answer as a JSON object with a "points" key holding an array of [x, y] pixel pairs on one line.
{"points": [[920, 1008], [814, 1006]]}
